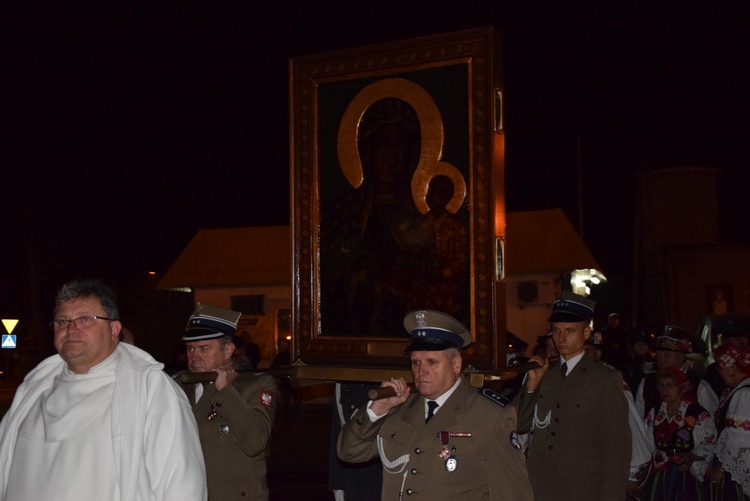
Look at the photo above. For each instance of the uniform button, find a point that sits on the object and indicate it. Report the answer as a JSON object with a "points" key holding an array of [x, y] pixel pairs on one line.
{"points": [[218, 404], [417, 451], [557, 420], [558, 406], [359, 420], [242, 493], [578, 406], [550, 447], [413, 471], [409, 492], [553, 434]]}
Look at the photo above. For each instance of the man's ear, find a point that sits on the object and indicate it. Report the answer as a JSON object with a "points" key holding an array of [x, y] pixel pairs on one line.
{"points": [[457, 363], [115, 328], [228, 351], [587, 332]]}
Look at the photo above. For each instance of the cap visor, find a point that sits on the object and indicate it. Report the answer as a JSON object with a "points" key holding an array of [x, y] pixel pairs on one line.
{"points": [[199, 334], [565, 316]]}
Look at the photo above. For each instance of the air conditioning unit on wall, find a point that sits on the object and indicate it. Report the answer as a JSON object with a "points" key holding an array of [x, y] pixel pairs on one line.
{"points": [[529, 292]]}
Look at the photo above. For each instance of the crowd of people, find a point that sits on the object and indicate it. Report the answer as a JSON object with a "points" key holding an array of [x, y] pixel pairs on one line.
{"points": [[689, 423], [627, 419], [631, 419]]}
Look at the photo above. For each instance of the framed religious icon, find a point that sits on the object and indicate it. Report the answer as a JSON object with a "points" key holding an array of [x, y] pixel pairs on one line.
{"points": [[397, 203]]}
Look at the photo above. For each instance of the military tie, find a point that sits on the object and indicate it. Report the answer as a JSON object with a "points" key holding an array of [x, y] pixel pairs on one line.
{"points": [[564, 370], [431, 406]]}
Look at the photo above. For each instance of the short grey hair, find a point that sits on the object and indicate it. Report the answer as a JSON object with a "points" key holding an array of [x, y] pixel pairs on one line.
{"points": [[89, 288], [452, 352]]}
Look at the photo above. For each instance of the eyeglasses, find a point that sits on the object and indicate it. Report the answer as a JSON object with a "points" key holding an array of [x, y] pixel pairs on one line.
{"points": [[83, 322]]}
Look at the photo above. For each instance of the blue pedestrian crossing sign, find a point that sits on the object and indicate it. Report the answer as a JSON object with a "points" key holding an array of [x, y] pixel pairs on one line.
{"points": [[9, 341]]}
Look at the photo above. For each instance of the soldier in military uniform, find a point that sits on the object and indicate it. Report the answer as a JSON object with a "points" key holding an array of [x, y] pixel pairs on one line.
{"points": [[577, 415], [447, 441], [348, 481], [234, 415]]}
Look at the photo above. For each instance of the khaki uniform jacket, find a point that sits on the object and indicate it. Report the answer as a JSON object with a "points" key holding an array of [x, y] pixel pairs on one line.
{"points": [[234, 440], [584, 451], [489, 464]]}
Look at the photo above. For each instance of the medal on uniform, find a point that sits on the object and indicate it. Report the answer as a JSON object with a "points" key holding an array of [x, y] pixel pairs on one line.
{"points": [[212, 414], [448, 455], [451, 464], [445, 436]]}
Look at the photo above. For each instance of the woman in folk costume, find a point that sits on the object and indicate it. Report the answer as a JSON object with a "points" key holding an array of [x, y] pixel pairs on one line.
{"points": [[684, 437], [730, 471]]}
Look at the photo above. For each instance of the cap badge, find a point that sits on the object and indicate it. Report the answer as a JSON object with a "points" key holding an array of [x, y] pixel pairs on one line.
{"points": [[420, 317]]}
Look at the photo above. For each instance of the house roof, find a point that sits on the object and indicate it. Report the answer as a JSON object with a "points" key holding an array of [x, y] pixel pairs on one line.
{"points": [[229, 257], [536, 242], [544, 241]]}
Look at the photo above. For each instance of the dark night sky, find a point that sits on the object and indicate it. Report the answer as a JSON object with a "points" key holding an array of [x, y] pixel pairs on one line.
{"points": [[127, 128]]}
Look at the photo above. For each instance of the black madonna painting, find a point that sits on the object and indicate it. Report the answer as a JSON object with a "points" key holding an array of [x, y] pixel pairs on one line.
{"points": [[394, 194]]}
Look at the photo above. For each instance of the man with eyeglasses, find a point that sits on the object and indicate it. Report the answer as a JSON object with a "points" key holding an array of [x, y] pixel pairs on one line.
{"points": [[576, 414], [101, 419]]}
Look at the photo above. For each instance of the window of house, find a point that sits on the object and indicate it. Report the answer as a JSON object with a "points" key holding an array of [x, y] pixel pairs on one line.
{"points": [[250, 304]]}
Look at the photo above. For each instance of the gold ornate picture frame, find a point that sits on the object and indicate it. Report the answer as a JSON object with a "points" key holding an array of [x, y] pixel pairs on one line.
{"points": [[397, 197]]}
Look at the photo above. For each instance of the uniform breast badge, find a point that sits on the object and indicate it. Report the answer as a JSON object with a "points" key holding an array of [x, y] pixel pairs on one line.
{"points": [[212, 414]]}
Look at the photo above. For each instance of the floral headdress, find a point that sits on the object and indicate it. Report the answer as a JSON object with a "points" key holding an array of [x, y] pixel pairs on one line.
{"points": [[735, 352], [667, 343]]}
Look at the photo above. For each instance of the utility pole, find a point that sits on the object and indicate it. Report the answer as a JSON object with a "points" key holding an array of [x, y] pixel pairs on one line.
{"points": [[580, 189]]}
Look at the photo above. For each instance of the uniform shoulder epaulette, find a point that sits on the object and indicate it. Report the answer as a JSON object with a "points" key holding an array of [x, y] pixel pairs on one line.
{"points": [[608, 365], [496, 397]]}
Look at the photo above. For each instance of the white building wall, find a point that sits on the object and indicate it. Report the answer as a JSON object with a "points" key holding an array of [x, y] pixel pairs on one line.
{"points": [[527, 313]]}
